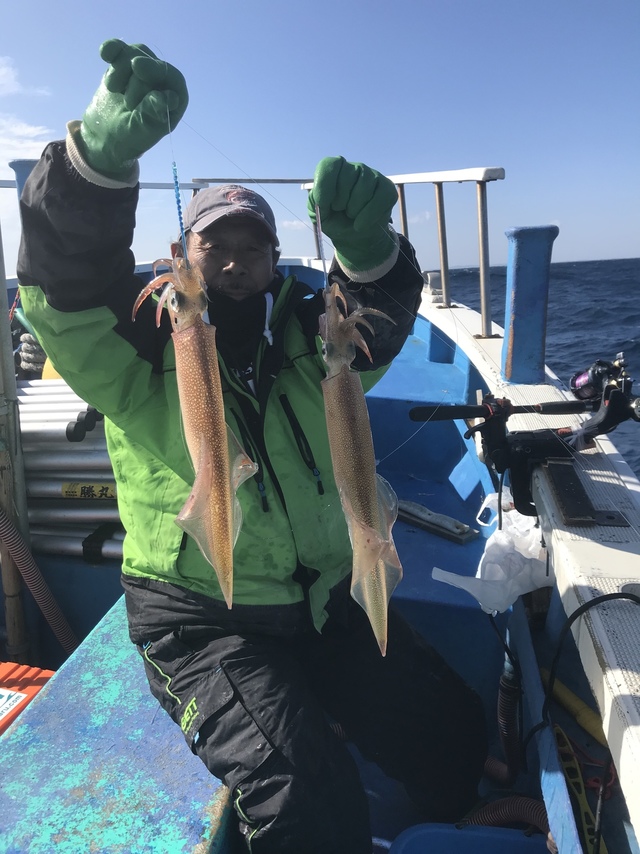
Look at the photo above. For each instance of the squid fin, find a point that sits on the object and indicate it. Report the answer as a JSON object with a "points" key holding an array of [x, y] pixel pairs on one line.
{"points": [[376, 566], [196, 517], [242, 467]]}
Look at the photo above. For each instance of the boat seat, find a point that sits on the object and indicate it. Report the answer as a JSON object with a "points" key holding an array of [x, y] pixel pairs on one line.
{"points": [[94, 764]]}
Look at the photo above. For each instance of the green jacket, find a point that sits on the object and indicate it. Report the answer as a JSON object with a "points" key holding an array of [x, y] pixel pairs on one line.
{"points": [[77, 289]]}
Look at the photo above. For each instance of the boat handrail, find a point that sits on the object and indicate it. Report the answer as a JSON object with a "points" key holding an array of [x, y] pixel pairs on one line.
{"points": [[481, 176]]}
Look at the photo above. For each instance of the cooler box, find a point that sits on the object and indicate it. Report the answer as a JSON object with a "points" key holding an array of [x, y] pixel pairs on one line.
{"points": [[447, 839], [19, 684]]}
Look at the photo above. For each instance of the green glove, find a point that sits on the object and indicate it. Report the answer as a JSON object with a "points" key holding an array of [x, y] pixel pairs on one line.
{"points": [[355, 204], [139, 100]]}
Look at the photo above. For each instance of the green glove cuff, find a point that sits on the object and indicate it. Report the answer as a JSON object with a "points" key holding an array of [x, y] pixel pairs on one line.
{"points": [[76, 152], [368, 259]]}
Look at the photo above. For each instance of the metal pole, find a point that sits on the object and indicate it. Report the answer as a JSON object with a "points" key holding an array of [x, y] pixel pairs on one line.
{"points": [[317, 239], [442, 243], [404, 225], [483, 246], [13, 496]]}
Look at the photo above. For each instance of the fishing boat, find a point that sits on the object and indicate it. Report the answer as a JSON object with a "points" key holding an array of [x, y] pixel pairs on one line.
{"points": [[519, 534]]}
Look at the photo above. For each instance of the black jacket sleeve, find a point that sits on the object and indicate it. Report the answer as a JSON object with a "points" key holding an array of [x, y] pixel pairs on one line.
{"points": [[76, 246], [397, 294]]}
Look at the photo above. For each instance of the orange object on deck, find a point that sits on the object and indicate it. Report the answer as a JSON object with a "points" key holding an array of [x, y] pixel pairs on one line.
{"points": [[19, 684]]}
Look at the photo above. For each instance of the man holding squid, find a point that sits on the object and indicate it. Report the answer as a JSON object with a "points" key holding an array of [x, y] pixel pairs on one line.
{"points": [[253, 687]]}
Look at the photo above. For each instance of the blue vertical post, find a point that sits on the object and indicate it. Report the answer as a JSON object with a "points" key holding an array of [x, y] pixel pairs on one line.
{"points": [[22, 169], [525, 322]]}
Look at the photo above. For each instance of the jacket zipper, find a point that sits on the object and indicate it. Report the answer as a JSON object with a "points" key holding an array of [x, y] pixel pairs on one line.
{"points": [[250, 449], [301, 441]]}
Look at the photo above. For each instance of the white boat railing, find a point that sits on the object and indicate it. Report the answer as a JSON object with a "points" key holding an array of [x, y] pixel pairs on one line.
{"points": [[481, 176]]}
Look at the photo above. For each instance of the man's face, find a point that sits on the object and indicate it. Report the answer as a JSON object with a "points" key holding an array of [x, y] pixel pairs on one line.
{"points": [[235, 257]]}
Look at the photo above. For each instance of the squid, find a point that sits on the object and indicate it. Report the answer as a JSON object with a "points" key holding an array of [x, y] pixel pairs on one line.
{"points": [[212, 513], [369, 503]]}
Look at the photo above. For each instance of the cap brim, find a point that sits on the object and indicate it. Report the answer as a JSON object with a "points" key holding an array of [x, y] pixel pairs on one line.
{"points": [[208, 219]]}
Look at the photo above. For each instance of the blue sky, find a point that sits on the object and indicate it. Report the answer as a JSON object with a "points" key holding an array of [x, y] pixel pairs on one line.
{"points": [[547, 89]]}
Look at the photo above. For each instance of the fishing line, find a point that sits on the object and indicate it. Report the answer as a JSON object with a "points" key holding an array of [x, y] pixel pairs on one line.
{"points": [[174, 165], [248, 177], [320, 247], [402, 444], [578, 458], [581, 460]]}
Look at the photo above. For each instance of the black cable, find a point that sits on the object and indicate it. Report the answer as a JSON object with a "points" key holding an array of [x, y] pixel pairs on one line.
{"points": [[582, 609], [586, 606]]}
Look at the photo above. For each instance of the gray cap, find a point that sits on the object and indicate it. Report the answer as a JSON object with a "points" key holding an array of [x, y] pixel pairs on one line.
{"points": [[211, 204]]}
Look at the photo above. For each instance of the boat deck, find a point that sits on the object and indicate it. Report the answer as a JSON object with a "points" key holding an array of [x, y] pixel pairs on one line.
{"points": [[588, 560], [112, 768], [111, 765]]}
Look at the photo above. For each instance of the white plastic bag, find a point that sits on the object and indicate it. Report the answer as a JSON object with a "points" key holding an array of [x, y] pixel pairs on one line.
{"points": [[513, 563]]}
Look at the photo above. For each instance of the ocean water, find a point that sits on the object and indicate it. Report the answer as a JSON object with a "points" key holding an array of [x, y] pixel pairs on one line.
{"points": [[594, 313]]}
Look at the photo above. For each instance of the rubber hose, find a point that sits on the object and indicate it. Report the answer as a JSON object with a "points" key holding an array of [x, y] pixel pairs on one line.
{"points": [[34, 580], [512, 810], [505, 773], [508, 706]]}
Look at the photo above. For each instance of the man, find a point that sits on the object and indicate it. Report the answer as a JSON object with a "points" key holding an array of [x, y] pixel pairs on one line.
{"points": [[254, 688]]}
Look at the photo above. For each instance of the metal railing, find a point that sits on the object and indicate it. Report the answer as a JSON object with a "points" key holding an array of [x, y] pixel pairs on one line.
{"points": [[481, 176]]}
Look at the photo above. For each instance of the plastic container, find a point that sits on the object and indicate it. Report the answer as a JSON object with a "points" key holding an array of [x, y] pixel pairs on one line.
{"points": [[19, 684], [447, 839]]}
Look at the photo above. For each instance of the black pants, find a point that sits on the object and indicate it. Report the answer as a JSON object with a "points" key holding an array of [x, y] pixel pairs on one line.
{"points": [[255, 709]]}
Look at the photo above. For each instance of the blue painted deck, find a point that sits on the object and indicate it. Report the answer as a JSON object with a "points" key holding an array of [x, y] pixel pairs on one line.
{"points": [[97, 766], [94, 764]]}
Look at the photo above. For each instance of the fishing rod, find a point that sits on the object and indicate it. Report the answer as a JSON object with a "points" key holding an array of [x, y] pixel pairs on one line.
{"points": [[605, 388], [491, 406]]}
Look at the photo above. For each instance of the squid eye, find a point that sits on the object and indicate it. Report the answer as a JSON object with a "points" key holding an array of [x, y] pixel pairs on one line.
{"points": [[328, 350]]}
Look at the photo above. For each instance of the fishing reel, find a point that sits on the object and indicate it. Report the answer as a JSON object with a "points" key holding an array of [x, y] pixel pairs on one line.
{"points": [[604, 389], [607, 388], [591, 383]]}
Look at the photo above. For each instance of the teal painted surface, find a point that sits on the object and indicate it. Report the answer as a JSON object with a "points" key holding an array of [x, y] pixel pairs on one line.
{"points": [[95, 765]]}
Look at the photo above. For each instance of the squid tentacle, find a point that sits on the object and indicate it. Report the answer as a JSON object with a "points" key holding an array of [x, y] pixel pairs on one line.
{"points": [[158, 282]]}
